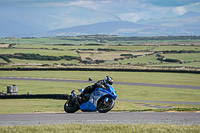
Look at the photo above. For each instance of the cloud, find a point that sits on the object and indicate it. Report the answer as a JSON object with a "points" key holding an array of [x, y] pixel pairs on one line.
{"points": [[180, 10], [68, 13], [75, 16], [168, 3]]}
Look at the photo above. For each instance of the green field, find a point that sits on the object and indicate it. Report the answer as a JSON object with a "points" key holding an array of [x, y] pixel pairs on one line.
{"points": [[103, 52], [139, 61], [39, 51], [2, 61], [124, 92], [105, 128], [131, 47], [108, 49], [185, 57], [9, 106], [135, 77], [63, 47], [178, 48], [20, 62], [120, 52]]}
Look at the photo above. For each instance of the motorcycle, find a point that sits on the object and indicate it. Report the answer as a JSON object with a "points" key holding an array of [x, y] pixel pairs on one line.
{"points": [[101, 100]]}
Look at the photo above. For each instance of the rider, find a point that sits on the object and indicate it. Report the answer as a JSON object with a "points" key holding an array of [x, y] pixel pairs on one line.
{"points": [[101, 83]]}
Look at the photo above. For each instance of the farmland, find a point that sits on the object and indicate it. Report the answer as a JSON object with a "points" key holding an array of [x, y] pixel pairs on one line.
{"points": [[101, 51], [125, 92]]}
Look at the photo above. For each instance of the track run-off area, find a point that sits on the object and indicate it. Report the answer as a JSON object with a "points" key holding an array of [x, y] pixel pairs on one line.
{"points": [[115, 83], [178, 118]]}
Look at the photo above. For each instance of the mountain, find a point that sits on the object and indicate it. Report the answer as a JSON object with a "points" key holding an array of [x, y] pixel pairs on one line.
{"points": [[108, 28], [186, 24], [125, 28], [71, 21], [189, 15], [11, 28], [26, 21]]}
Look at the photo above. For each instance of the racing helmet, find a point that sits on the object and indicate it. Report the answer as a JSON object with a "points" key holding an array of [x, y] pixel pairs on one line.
{"points": [[108, 80]]}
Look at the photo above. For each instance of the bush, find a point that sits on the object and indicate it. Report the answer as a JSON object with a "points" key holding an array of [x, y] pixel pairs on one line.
{"points": [[4, 57], [41, 57], [130, 55], [105, 49], [171, 60]]}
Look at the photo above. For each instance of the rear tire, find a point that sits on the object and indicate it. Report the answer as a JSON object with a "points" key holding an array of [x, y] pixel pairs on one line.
{"points": [[71, 106], [104, 107]]}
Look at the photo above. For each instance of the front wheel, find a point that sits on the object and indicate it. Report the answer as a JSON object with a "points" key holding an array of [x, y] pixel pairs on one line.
{"points": [[71, 106], [103, 105]]}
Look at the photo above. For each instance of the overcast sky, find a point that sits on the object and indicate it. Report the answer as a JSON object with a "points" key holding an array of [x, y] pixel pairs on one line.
{"points": [[94, 11]]}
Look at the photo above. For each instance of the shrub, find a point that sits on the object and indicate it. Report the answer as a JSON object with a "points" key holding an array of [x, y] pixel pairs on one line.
{"points": [[126, 55], [4, 57]]}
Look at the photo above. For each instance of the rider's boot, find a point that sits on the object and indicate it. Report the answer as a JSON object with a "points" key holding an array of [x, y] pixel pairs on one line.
{"points": [[73, 94], [81, 96]]}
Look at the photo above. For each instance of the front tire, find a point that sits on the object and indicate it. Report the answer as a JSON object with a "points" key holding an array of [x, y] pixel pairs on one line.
{"points": [[71, 106], [104, 107]]}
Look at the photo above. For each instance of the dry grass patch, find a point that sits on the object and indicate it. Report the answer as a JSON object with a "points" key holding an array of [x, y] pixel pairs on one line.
{"points": [[4, 45], [110, 55]]}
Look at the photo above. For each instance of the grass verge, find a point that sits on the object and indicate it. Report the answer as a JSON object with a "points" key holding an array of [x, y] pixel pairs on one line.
{"points": [[126, 92], [100, 128], [136, 77]]}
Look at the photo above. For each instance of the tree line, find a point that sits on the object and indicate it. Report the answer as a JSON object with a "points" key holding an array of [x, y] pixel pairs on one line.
{"points": [[28, 56]]}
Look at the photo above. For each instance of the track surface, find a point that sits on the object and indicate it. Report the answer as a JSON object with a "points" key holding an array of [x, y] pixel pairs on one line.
{"points": [[95, 117], [116, 83], [111, 117]]}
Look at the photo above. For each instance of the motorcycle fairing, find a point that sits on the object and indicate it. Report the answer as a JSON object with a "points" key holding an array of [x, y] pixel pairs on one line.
{"points": [[94, 97], [110, 90]]}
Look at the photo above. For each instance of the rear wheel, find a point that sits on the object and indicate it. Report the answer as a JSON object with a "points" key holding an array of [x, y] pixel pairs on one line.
{"points": [[103, 106], [71, 106]]}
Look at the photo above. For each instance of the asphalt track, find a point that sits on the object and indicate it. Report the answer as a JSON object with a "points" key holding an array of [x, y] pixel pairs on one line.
{"points": [[104, 118], [187, 118], [116, 83]]}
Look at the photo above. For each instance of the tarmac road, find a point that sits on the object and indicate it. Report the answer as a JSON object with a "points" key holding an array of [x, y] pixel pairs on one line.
{"points": [[104, 118], [116, 83], [95, 117]]}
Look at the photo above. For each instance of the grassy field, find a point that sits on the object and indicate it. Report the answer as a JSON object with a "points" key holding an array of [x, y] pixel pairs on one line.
{"points": [[138, 61], [63, 47], [178, 48], [39, 51], [45, 46], [99, 128], [106, 48], [53, 40], [123, 91], [131, 47], [18, 62], [185, 57], [187, 64], [137, 77], [2, 61], [103, 55]]}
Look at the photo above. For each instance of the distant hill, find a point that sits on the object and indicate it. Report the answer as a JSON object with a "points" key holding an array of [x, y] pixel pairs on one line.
{"points": [[108, 28], [124, 28], [186, 24]]}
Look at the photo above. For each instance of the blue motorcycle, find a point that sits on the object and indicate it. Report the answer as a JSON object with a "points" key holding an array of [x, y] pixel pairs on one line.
{"points": [[101, 100]]}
